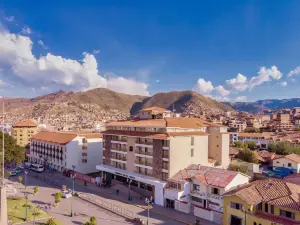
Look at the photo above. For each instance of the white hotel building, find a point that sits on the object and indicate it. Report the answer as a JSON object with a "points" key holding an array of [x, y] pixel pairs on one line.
{"points": [[63, 150]]}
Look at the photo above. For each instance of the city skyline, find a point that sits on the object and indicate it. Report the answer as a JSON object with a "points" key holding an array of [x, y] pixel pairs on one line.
{"points": [[230, 52]]}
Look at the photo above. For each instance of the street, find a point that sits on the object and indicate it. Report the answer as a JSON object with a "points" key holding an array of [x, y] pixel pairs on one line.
{"points": [[84, 210]]}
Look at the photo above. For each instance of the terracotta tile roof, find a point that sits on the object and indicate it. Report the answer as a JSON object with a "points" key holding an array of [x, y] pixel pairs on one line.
{"points": [[206, 175], [276, 219], [272, 191], [63, 137], [267, 155], [189, 133], [250, 135], [26, 123], [293, 157], [153, 134], [54, 137], [136, 133], [156, 109]]}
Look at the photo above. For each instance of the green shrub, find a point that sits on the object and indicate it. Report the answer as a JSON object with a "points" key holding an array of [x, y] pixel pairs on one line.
{"points": [[35, 189], [20, 179], [51, 221]]}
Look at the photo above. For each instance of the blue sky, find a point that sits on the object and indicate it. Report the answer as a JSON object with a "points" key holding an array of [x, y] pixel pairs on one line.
{"points": [[145, 47]]}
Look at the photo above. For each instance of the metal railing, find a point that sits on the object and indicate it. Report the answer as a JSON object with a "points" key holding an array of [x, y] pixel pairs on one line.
{"points": [[108, 205]]}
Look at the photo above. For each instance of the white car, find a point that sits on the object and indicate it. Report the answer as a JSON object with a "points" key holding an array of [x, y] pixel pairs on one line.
{"points": [[67, 195]]}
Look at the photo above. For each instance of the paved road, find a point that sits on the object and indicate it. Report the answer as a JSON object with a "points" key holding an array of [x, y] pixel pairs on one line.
{"points": [[83, 209], [86, 210]]}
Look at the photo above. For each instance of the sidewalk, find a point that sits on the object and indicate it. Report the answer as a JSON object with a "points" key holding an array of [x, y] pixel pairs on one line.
{"points": [[137, 206]]}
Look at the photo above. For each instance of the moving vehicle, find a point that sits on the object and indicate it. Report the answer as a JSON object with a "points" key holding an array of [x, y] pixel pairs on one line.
{"points": [[37, 168]]}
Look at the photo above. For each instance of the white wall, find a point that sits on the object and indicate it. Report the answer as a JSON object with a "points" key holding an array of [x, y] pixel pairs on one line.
{"points": [[94, 155], [283, 162], [238, 180]]}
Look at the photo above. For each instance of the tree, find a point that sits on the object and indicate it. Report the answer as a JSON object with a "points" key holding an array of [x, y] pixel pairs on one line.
{"points": [[251, 144], [247, 155], [234, 167], [13, 152], [252, 130], [51, 221], [284, 148], [297, 129], [7, 174], [35, 190], [20, 179], [239, 144], [57, 197], [92, 221]]}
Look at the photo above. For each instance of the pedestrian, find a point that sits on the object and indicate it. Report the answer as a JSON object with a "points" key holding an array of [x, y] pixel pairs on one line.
{"points": [[117, 192]]}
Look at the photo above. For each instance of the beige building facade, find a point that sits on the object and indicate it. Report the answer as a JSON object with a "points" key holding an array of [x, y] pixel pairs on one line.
{"points": [[147, 152], [23, 131]]}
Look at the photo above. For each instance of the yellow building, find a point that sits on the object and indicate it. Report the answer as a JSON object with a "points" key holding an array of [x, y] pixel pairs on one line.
{"points": [[264, 202], [23, 131]]}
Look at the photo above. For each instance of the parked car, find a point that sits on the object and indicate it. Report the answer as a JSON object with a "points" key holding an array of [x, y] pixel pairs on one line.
{"points": [[67, 195], [13, 173], [17, 170]]}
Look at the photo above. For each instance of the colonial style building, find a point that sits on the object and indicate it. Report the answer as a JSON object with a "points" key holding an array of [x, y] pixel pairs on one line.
{"points": [[264, 202], [23, 131], [66, 151], [149, 151], [198, 190]]}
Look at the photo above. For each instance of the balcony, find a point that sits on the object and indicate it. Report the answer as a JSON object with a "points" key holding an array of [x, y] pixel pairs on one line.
{"points": [[216, 197], [147, 173], [143, 152], [165, 166], [119, 149], [143, 162], [165, 154], [142, 142], [122, 139], [121, 158]]}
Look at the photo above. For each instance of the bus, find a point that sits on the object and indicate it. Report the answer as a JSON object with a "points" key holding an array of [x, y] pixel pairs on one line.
{"points": [[37, 168]]}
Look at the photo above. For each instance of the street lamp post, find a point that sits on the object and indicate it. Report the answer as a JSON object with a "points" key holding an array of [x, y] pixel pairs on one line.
{"points": [[149, 203], [26, 211], [25, 172], [73, 176], [129, 187]]}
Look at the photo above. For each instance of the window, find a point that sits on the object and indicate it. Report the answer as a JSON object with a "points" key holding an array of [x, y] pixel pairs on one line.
{"points": [[192, 140], [215, 191], [84, 161], [287, 214], [84, 154], [272, 209], [196, 187], [130, 148], [192, 152], [217, 146], [254, 223], [289, 164], [266, 207], [277, 162], [195, 199], [235, 205]]}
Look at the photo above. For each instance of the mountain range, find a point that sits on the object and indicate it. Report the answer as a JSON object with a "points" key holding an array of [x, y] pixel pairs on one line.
{"points": [[100, 104], [260, 105]]}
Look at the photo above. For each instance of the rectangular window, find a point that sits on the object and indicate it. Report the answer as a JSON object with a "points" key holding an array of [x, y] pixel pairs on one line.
{"points": [[84, 161], [289, 164], [287, 214], [84, 154], [266, 207], [272, 209], [192, 152], [192, 140], [195, 199], [196, 187], [215, 191], [235, 205]]}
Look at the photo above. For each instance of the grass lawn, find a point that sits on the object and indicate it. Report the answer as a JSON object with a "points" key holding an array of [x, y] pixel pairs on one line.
{"points": [[16, 210]]}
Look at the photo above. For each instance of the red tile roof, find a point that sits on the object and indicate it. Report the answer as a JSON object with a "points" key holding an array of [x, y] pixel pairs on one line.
{"points": [[293, 157], [62, 138], [206, 175], [274, 192], [26, 123]]}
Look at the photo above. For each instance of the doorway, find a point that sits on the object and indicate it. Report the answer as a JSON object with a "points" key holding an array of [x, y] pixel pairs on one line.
{"points": [[234, 220]]}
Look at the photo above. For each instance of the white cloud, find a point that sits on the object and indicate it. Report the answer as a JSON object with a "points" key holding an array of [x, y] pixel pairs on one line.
{"points": [[157, 81], [219, 98], [56, 71], [222, 91], [239, 83], [26, 30], [121, 84], [41, 43], [44, 88], [241, 99], [204, 87], [10, 18], [264, 75], [95, 51], [295, 71], [283, 83]]}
